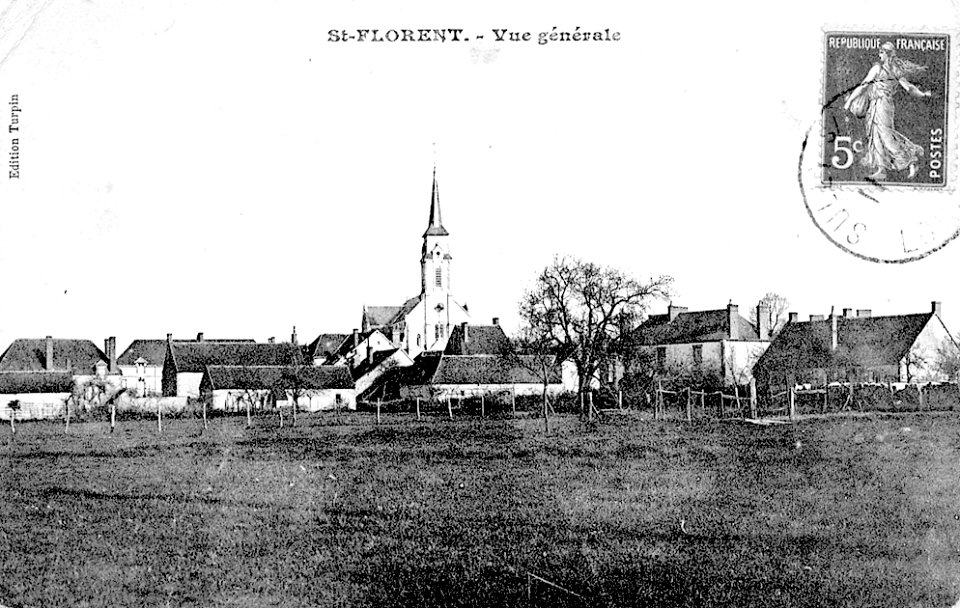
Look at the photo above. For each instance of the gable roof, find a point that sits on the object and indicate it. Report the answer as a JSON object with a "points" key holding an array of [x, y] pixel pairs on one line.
{"points": [[481, 340], [325, 344], [29, 355], [862, 341], [366, 365], [375, 317], [12, 383], [697, 326], [195, 356], [153, 351], [430, 368], [311, 377]]}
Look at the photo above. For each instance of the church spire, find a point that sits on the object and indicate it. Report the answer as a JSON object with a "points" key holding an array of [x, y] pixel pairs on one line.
{"points": [[435, 226]]}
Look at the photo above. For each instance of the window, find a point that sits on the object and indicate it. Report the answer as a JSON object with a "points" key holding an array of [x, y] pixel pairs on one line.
{"points": [[661, 357], [438, 277], [418, 339], [339, 399], [698, 356]]}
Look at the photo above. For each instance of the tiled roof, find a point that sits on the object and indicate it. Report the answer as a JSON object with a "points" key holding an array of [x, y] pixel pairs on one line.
{"points": [[27, 355], [474, 369], [194, 356], [153, 351], [699, 326], [481, 340], [12, 383], [864, 341], [378, 316], [325, 344], [316, 377]]}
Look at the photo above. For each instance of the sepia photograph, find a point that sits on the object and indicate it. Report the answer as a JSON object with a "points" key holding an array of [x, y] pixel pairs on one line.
{"points": [[370, 303]]}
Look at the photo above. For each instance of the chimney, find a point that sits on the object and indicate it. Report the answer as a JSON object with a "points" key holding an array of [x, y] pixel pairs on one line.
{"points": [[496, 320], [847, 313], [48, 363], [733, 326], [356, 338], [792, 317], [199, 336], [864, 313], [271, 340], [369, 353], [833, 330], [817, 317], [110, 346], [169, 337], [293, 335], [673, 311], [466, 338], [763, 321], [936, 308]]}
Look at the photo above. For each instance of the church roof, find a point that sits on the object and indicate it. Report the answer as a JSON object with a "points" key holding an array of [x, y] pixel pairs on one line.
{"points": [[378, 316], [435, 225]]}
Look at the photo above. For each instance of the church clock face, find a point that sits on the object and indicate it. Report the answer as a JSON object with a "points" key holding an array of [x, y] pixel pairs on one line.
{"points": [[439, 308]]}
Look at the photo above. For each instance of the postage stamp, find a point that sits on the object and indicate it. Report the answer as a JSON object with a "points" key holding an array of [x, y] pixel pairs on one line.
{"points": [[877, 168], [885, 99]]}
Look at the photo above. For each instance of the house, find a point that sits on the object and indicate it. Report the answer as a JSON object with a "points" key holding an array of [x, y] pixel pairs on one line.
{"points": [[718, 343], [323, 347], [355, 347], [315, 388], [375, 365], [39, 394], [81, 358], [854, 347], [184, 363], [423, 323], [141, 364], [438, 375]]}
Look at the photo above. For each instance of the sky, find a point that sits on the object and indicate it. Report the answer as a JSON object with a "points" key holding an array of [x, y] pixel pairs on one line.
{"points": [[227, 168]]}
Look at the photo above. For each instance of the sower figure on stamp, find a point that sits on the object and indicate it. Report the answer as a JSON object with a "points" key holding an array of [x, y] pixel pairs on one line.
{"points": [[873, 100]]}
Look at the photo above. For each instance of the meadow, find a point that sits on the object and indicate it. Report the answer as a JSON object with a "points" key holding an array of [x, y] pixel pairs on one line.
{"points": [[845, 511]]}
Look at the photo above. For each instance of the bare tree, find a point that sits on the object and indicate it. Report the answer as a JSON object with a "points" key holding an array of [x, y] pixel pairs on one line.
{"points": [[947, 358], [777, 309], [14, 405], [533, 353], [577, 309]]}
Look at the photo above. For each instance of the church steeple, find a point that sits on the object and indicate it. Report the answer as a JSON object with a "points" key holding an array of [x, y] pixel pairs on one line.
{"points": [[435, 225]]}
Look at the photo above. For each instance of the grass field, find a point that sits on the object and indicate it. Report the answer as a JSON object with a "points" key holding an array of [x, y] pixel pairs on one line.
{"points": [[842, 512]]}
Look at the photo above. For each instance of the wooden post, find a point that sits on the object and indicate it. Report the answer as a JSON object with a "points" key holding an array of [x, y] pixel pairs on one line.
{"points": [[280, 415], [13, 427], [689, 405], [581, 403], [736, 394], [658, 404], [513, 402], [792, 400], [703, 404], [159, 418], [449, 407], [113, 416], [67, 405], [249, 419], [620, 399], [204, 414], [590, 405], [378, 411], [920, 396], [483, 407], [753, 398], [418, 408]]}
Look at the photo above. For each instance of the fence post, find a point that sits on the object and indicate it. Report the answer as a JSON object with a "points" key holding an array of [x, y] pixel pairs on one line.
{"points": [[689, 405], [159, 418], [792, 403], [590, 405], [753, 398], [513, 401], [249, 418], [378, 411], [703, 404], [620, 399], [204, 413], [67, 405], [658, 405], [449, 407], [920, 396], [483, 406], [418, 408], [113, 416]]}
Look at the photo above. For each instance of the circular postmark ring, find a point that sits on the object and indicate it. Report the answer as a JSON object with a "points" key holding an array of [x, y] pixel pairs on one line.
{"points": [[875, 180]]}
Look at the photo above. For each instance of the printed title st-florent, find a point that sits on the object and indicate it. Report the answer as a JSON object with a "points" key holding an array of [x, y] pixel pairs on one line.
{"points": [[460, 35]]}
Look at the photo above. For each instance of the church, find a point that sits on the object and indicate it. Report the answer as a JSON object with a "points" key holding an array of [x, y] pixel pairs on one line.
{"points": [[423, 323]]}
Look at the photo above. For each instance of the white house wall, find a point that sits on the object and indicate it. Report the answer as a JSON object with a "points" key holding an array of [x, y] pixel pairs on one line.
{"points": [[924, 354], [442, 391], [152, 377], [188, 384], [34, 406]]}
